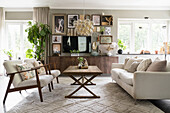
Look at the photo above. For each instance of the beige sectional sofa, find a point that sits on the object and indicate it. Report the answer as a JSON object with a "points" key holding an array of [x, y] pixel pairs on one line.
{"points": [[142, 84]]}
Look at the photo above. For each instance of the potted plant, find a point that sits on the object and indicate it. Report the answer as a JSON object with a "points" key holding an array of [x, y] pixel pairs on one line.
{"points": [[102, 29], [74, 52], [38, 33], [121, 46], [8, 53]]}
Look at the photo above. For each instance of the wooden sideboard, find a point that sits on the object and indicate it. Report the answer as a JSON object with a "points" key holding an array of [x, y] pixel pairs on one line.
{"points": [[103, 62]]}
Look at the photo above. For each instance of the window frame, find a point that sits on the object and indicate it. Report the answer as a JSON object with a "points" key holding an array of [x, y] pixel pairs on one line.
{"points": [[21, 23], [128, 21]]}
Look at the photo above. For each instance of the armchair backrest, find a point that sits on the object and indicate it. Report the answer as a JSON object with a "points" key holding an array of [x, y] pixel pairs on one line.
{"points": [[10, 67], [30, 61]]}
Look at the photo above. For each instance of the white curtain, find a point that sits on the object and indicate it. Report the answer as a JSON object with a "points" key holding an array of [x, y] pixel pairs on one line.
{"points": [[41, 14], [2, 39]]}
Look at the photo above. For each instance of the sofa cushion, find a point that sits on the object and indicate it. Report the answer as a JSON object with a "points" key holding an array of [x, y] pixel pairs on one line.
{"points": [[133, 67], [126, 62], [44, 80], [158, 66], [130, 61], [126, 77], [143, 66], [116, 71]]}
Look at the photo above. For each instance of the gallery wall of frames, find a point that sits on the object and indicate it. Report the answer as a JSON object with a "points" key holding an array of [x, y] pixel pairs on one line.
{"points": [[63, 25]]}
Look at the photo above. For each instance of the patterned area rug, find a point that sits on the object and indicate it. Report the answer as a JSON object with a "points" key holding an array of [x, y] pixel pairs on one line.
{"points": [[113, 100]]}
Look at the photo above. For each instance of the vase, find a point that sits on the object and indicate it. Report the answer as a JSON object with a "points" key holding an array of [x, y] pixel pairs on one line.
{"points": [[120, 51]]}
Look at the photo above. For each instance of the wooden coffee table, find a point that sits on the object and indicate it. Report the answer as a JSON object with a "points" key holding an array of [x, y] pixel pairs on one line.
{"points": [[72, 71]]}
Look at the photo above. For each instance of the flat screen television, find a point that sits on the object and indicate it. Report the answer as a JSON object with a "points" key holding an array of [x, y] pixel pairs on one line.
{"points": [[81, 43]]}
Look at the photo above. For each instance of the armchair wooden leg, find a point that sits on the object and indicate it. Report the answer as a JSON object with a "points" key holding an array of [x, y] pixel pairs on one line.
{"points": [[57, 79], [40, 93], [49, 87], [8, 88], [52, 85]]}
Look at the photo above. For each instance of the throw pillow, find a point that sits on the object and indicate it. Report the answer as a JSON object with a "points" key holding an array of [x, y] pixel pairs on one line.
{"points": [[130, 61], [125, 62], [42, 69], [133, 67], [157, 66], [25, 75], [143, 66]]}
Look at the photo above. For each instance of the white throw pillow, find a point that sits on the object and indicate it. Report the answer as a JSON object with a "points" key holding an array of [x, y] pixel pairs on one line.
{"points": [[143, 66], [130, 61]]}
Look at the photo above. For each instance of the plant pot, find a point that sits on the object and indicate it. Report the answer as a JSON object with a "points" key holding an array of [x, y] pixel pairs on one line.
{"points": [[74, 54], [120, 51]]}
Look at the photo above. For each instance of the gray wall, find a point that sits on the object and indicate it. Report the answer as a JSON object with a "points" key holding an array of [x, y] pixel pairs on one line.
{"points": [[18, 15]]}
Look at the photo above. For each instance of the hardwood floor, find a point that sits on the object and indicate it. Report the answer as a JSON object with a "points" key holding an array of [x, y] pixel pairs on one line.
{"points": [[16, 97]]}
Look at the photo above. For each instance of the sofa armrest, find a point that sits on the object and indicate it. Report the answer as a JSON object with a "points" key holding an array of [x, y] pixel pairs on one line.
{"points": [[151, 85], [117, 65]]}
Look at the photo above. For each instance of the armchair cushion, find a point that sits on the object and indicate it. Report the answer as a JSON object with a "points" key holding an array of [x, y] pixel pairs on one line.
{"points": [[25, 75], [55, 73], [44, 80]]}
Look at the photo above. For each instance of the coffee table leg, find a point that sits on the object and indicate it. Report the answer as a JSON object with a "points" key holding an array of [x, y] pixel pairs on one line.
{"points": [[82, 85], [75, 83]]}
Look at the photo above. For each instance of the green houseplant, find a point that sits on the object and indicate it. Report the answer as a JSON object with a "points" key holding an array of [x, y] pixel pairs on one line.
{"points": [[121, 46], [38, 33], [8, 53], [74, 52]]}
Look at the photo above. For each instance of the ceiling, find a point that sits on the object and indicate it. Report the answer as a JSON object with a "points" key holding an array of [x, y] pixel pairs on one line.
{"points": [[89, 4]]}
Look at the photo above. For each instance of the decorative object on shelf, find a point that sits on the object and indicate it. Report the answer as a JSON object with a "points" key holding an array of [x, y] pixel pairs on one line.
{"points": [[68, 32], [8, 53], [102, 29], [56, 38], [156, 51], [94, 49], [56, 49], [107, 20], [87, 17], [96, 19], [98, 29], [59, 24], [121, 46], [107, 31], [105, 39], [112, 49], [83, 64], [74, 52], [146, 52], [82, 17], [38, 33], [71, 19]]}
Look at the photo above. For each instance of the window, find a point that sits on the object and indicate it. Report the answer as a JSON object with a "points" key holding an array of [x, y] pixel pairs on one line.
{"points": [[17, 38], [143, 34]]}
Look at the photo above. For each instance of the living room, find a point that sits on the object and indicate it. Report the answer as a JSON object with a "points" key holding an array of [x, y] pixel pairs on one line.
{"points": [[84, 56]]}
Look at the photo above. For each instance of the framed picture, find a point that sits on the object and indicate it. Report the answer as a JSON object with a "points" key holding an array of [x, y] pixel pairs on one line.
{"points": [[107, 31], [96, 19], [105, 39], [56, 38], [56, 48], [59, 24], [87, 17], [71, 19], [107, 20]]}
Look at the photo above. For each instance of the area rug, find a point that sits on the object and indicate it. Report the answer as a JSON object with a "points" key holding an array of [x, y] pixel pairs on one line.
{"points": [[113, 100]]}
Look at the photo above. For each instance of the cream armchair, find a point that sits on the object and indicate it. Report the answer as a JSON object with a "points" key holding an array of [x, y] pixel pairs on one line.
{"points": [[20, 84], [55, 72]]}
